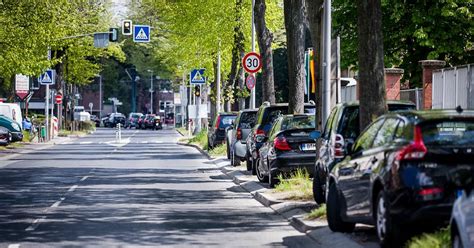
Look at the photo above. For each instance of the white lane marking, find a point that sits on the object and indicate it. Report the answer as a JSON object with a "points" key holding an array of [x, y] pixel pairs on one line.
{"points": [[144, 142], [72, 188], [56, 204], [84, 178], [14, 246], [85, 142], [67, 143], [35, 224]]}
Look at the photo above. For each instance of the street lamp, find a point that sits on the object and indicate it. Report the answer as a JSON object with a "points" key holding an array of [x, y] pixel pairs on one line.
{"points": [[151, 91]]}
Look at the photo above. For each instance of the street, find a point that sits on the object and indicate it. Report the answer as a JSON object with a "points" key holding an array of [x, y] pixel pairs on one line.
{"points": [[145, 191]]}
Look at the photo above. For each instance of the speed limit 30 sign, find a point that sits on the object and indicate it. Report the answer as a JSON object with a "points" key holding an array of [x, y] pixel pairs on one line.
{"points": [[252, 62]]}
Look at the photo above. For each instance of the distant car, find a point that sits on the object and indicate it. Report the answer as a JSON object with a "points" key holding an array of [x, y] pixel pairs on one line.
{"points": [[237, 135], [115, 119], [342, 128], [141, 122], [149, 122], [132, 120], [5, 136], [13, 127], [105, 120], [462, 220], [286, 148], [402, 172], [96, 120], [266, 116], [216, 134]]}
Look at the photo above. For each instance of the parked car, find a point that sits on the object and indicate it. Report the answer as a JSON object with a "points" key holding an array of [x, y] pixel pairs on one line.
{"points": [[105, 120], [266, 116], [155, 122], [132, 120], [149, 122], [13, 127], [341, 128], [216, 134], [462, 220], [115, 119], [237, 135], [401, 171], [96, 120], [287, 147], [12, 111], [141, 122], [5, 136]]}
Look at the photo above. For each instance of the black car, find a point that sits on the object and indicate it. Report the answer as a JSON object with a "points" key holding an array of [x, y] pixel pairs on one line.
{"points": [[96, 120], [5, 136], [402, 171], [115, 119], [287, 147], [266, 116], [341, 128], [216, 134]]}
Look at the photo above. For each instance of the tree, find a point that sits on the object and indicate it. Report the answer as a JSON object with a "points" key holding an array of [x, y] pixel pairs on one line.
{"points": [[371, 61], [294, 18], [265, 39]]}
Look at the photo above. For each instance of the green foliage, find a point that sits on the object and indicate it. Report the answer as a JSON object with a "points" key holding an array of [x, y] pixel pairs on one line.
{"points": [[439, 239], [87, 126], [218, 151], [200, 139], [298, 185], [413, 31], [317, 213]]}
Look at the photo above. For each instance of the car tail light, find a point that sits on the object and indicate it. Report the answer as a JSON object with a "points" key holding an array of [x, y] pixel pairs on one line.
{"points": [[258, 132], [218, 121], [239, 133], [339, 147], [280, 143], [415, 150], [428, 194]]}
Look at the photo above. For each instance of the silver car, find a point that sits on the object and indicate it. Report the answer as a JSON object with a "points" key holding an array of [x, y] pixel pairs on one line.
{"points": [[462, 220], [236, 137]]}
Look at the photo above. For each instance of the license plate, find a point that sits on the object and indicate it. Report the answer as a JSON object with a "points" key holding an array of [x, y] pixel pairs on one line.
{"points": [[308, 147]]}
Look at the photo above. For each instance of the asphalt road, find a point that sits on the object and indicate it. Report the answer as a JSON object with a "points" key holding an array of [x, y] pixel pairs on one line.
{"points": [[145, 191]]}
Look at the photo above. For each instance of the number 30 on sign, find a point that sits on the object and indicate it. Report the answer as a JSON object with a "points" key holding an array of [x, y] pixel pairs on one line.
{"points": [[252, 62]]}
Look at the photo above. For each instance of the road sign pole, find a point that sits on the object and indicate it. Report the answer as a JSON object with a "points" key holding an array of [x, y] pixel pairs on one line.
{"points": [[252, 95]]}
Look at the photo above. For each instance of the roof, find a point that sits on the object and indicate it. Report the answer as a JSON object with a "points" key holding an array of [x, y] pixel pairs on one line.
{"points": [[227, 113], [438, 114], [356, 103]]}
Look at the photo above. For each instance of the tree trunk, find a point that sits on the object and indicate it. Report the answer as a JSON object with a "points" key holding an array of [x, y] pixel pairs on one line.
{"points": [[241, 80], [314, 14], [371, 65], [294, 20], [265, 39]]}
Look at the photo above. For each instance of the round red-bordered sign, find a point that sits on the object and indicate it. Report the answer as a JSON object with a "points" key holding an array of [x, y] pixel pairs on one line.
{"points": [[59, 99], [252, 62], [250, 81]]}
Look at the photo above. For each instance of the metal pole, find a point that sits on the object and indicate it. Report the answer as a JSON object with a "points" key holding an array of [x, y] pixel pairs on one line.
{"points": [[100, 97], [252, 96], [47, 101], [218, 80], [326, 104], [338, 71], [151, 93]]}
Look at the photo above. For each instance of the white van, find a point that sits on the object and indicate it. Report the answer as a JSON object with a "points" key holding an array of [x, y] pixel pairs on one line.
{"points": [[12, 111]]}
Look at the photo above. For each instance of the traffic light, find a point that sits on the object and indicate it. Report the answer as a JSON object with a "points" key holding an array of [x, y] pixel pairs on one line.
{"points": [[197, 90], [113, 34], [127, 27]]}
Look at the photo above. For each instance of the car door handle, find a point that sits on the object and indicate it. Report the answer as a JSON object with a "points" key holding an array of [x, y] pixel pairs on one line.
{"points": [[374, 160]]}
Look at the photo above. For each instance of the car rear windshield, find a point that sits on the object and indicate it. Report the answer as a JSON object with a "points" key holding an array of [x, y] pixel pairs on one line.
{"points": [[136, 116], [298, 122], [449, 132], [399, 107], [274, 112], [247, 120], [226, 120]]}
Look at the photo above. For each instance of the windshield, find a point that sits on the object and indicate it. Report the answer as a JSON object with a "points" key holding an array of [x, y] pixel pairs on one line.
{"points": [[227, 120], [298, 122], [451, 132]]}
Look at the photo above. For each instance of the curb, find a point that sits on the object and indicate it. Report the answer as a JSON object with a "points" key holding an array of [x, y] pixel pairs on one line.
{"points": [[46, 145], [197, 147]]}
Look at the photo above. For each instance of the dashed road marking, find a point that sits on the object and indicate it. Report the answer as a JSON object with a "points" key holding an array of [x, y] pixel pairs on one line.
{"points": [[72, 188], [84, 178], [35, 224], [85, 142], [14, 246], [56, 204]]}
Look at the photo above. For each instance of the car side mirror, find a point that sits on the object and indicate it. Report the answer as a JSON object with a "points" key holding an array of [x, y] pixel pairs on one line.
{"points": [[314, 135], [260, 138]]}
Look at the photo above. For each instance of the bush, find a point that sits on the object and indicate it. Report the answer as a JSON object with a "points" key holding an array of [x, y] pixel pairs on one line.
{"points": [[439, 239], [317, 213], [299, 185], [200, 139], [219, 150], [87, 126]]}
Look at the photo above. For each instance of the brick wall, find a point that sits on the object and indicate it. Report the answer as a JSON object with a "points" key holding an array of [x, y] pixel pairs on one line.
{"points": [[392, 83], [428, 67]]}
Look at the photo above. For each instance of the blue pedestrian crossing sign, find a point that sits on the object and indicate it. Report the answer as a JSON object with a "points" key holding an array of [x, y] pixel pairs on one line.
{"points": [[141, 33], [47, 77], [197, 76]]}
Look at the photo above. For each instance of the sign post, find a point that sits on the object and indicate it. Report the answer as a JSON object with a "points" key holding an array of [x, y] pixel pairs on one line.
{"points": [[47, 79], [22, 86], [141, 33], [252, 63], [197, 78], [250, 81]]}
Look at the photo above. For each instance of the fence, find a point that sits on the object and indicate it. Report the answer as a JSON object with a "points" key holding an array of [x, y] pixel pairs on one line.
{"points": [[413, 95], [453, 87]]}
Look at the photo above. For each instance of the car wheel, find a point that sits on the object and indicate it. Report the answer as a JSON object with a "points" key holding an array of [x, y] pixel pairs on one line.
{"points": [[262, 178], [387, 231], [272, 179], [335, 222], [318, 191], [228, 150], [248, 163], [234, 160]]}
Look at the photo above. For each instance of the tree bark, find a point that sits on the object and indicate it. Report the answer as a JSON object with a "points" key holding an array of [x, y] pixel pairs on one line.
{"points": [[371, 64], [265, 39], [314, 14], [294, 20]]}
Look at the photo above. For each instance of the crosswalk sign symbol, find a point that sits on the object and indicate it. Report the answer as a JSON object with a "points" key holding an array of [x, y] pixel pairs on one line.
{"points": [[197, 76], [47, 77], [141, 33]]}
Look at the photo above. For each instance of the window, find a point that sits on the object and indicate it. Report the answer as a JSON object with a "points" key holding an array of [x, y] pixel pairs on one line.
{"points": [[350, 127], [449, 132], [247, 120], [328, 126], [399, 134], [386, 133], [365, 140]]}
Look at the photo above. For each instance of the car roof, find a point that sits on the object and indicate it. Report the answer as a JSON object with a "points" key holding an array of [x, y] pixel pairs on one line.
{"points": [[389, 102], [227, 113], [431, 115], [248, 110]]}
